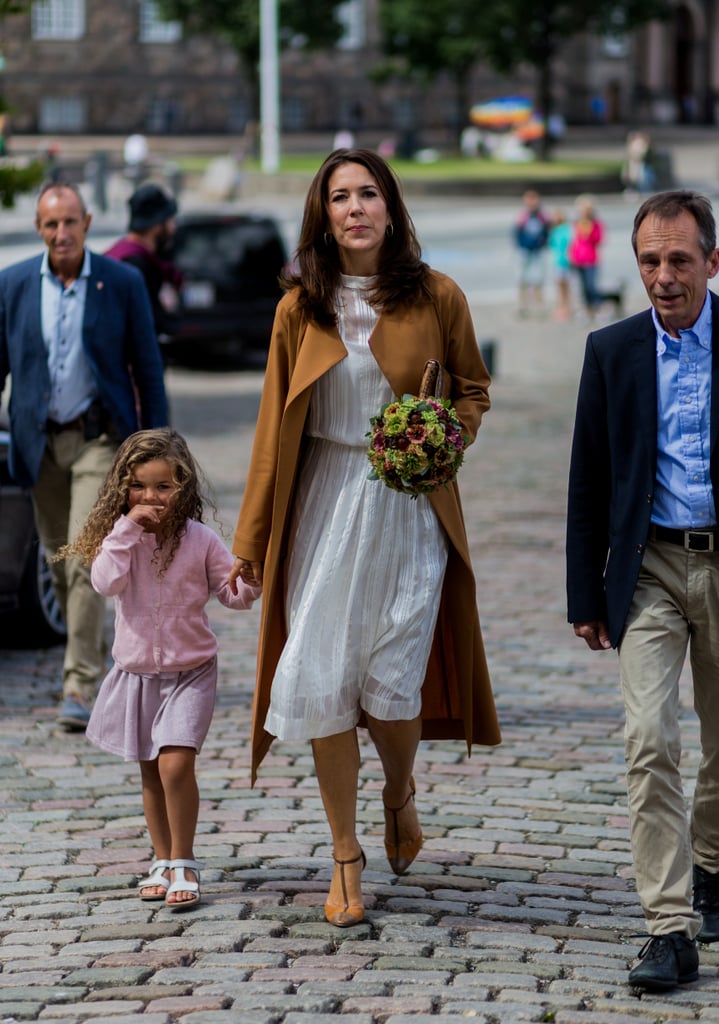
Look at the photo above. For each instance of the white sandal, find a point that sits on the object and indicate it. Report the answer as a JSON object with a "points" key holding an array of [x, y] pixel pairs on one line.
{"points": [[155, 878], [182, 884]]}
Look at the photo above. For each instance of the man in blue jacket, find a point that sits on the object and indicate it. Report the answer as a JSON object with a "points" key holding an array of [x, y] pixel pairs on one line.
{"points": [[643, 563], [78, 341]]}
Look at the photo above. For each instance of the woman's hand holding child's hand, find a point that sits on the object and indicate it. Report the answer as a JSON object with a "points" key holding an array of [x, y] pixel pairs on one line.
{"points": [[249, 572]]}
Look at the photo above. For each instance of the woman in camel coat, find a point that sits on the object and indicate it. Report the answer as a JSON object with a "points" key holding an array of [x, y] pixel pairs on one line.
{"points": [[369, 615]]}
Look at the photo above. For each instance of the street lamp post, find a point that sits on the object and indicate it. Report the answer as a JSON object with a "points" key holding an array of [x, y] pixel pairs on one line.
{"points": [[269, 88]]}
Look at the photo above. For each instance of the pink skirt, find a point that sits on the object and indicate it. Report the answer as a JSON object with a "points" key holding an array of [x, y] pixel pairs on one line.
{"points": [[135, 716]]}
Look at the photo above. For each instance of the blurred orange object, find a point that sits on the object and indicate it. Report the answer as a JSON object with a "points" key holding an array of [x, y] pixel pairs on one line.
{"points": [[531, 131], [504, 112]]}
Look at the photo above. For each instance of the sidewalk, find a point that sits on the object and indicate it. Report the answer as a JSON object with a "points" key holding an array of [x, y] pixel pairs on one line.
{"points": [[521, 906]]}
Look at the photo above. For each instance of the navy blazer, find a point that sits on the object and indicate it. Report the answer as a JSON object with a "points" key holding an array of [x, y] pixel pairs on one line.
{"points": [[120, 343], [613, 467]]}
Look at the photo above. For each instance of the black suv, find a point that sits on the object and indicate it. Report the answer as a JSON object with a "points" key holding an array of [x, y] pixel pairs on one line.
{"points": [[29, 612], [230, 264]]}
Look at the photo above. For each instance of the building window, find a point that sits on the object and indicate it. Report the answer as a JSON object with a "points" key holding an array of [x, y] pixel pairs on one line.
{"points": [[615, 42], [351, 15], [404, 113], [62, 114], [58, 19], [294, 114], [152, 27], [238, 115], [164, 116]]}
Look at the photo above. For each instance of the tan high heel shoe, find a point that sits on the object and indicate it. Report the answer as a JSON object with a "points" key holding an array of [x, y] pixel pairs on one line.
{"points": [[350, 913], [400, 854]]}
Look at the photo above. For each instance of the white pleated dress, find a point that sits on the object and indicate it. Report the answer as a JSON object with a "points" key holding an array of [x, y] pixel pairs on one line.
{"points": [[366, 564]]}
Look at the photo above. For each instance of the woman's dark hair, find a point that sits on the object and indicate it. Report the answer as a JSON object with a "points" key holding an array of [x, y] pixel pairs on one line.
{"points": [[670, 205], [401, 274]]}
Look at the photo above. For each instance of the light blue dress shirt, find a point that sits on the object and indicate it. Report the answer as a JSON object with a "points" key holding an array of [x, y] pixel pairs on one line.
{"points": [[683, 493], [72, 387]]}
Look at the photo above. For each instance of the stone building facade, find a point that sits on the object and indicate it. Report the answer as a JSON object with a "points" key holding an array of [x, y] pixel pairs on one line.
{"points": [[112, 66]]}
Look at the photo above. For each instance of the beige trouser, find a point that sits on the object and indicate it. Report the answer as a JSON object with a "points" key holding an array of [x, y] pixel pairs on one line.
{"points": [[675, 605], [71, 473]]}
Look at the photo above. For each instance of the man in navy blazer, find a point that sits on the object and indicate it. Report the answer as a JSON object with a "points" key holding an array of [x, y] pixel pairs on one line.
{"points": [[78, 342], [643, 563]]}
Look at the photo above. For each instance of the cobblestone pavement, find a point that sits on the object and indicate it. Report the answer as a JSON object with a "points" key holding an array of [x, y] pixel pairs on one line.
{"points": [[521, 906]]}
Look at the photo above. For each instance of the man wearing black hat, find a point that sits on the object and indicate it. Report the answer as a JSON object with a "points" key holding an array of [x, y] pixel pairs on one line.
{"points": [[150, 232]]}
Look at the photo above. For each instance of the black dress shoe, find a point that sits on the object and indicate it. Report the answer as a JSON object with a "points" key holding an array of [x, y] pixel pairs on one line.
{"points": [[666, 961], [706, 902]]}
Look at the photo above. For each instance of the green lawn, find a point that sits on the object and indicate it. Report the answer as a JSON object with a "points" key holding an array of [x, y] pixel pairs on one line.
{"points": [[445, 168]]}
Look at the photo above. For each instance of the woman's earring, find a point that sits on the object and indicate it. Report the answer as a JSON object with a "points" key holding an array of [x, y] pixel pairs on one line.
{"points": [[389, 231], [329, 238]]}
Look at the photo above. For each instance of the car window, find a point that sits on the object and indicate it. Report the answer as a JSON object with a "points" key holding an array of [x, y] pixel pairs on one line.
{"points": [[241, 256]]}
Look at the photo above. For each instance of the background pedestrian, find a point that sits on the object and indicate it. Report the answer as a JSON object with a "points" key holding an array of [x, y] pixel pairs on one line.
{"points": [[150, 232], [531, 235], [86, 372], [560, 237]]}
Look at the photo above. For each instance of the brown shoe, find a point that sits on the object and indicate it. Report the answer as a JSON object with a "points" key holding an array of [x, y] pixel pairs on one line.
{"points": [[400, 853]]}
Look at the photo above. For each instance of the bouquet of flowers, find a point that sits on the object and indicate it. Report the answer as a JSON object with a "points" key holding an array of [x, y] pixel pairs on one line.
{"points": [[416, 445]]}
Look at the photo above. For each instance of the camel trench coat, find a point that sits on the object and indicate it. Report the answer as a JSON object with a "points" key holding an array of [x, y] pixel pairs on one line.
{"points": [[457, 701]]}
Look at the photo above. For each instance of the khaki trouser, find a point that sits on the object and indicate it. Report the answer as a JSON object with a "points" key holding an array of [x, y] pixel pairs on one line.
{"points": [[675, 606], [71, 473]]}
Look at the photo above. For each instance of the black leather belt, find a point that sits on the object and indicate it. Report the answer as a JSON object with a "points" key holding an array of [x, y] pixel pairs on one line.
{"points": [[690, 540], [53, 427]]}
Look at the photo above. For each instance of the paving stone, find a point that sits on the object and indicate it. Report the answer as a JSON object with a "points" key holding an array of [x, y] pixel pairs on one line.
{"points": [[424, 1018], [131, 1018], [12, 1011], [84, 1011], [106, 977], [343, 990], [327, 1018], [229, 1017], [42, 993], [147, 993]]}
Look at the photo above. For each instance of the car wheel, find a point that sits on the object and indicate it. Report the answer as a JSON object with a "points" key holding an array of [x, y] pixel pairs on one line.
{"points": [[38, 621]]}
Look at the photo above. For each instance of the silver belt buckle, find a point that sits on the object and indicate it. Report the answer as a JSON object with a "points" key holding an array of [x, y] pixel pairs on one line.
{"points": [[688, 534]]}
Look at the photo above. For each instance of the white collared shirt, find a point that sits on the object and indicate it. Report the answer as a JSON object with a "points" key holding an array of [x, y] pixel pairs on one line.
{"points": [[683, 493], [72, 387]]}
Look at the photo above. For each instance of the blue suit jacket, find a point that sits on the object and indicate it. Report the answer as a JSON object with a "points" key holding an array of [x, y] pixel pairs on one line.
{"points": [[613, 467], [120, 344]]}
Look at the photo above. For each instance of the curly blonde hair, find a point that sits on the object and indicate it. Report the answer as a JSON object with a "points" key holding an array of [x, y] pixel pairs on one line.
{"points": [[112, 501]]}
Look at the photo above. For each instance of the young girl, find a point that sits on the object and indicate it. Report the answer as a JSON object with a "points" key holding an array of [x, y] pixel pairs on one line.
{"points": [[150, 550], [560, 237]]}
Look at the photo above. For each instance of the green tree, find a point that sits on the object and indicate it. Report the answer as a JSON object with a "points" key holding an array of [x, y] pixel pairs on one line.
{"points": [[422, 39], [308, 24], [508, 33], [14, 178]]}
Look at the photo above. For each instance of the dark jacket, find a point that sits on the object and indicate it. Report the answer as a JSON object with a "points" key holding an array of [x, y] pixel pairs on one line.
{"points": [[119, 341], [613, 467], [156, 272]]}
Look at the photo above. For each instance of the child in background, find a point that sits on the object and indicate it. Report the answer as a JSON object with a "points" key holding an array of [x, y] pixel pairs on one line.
{"points": [[149, 549], [587, 238], [531, 233], [560, 236]]}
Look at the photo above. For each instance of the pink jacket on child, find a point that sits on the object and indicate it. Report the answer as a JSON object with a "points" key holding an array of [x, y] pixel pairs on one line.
{"points": [[584, 247], [160, 620]]}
